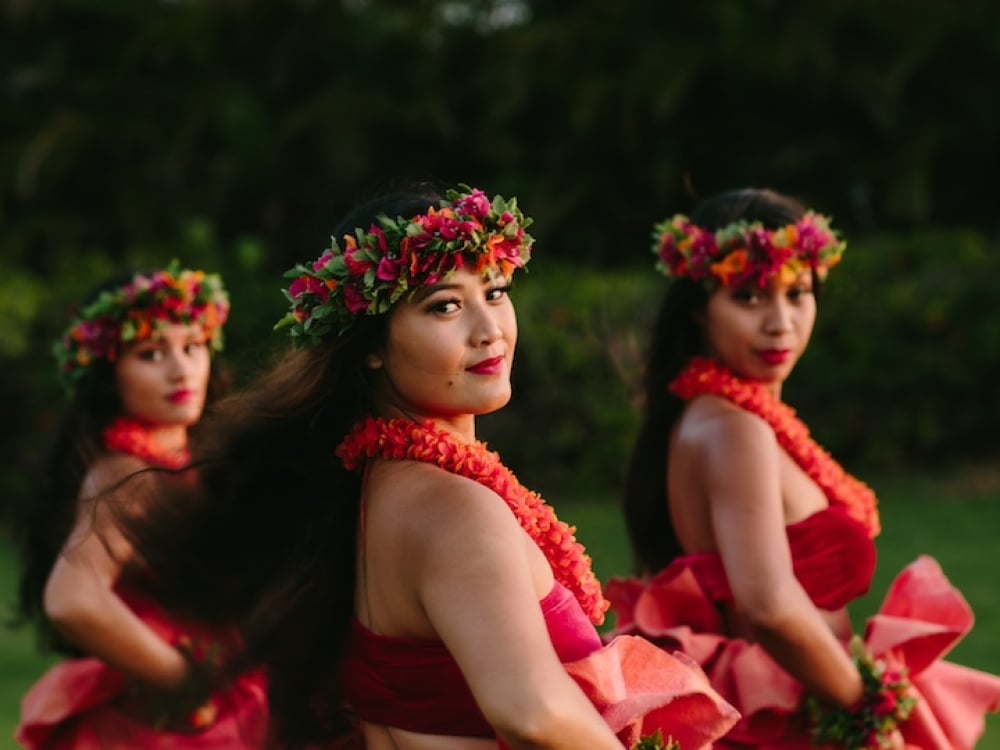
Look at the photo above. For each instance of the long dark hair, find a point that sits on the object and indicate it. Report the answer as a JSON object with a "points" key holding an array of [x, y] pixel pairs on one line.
{"points": [[45, 519], [676, 337], [268, 537]]}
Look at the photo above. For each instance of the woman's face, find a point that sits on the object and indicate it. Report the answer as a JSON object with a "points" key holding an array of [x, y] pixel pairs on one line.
{"points": [[757, 333], [449, 350], [163, 380]]}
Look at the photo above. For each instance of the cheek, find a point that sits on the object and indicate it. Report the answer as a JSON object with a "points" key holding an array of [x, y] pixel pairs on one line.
{"points": [[412, 361], [510, 327], [129, 382], [722, 324], [808, 321], [203, 369], [133, 389]]}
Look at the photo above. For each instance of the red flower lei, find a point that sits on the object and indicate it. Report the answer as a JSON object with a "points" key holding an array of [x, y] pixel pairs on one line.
{"points": [[401, 439], [134, 438], [703, 376]]}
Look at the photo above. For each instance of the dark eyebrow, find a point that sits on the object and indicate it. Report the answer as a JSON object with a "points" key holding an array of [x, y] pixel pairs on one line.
{"points": [[424, 292]]}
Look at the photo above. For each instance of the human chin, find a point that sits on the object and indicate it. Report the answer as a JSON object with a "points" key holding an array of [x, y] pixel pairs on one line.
{"points": [[496, 398], [183, 415]]}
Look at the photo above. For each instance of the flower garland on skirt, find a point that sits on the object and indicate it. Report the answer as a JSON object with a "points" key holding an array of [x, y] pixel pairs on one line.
{"points": [[134, 438], [402, 439], [704, 376]]}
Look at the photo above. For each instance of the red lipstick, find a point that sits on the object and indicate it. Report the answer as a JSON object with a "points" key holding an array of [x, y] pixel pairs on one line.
{"points": [[491, 366], [775, 356], [180, 396]]}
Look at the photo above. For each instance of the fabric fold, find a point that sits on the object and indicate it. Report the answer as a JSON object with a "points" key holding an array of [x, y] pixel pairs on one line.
{"points": [[920, 620], [639, 688], [81, 704]]}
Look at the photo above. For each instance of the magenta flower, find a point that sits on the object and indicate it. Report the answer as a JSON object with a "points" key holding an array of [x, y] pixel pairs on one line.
{"points": [[401, 254], [357, 264], [389, 269], [320, 263], [309, 285], [354, 299], [475, 204]]}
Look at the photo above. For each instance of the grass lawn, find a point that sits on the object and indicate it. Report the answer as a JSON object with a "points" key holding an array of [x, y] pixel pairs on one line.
{"points": [[956, 520]]}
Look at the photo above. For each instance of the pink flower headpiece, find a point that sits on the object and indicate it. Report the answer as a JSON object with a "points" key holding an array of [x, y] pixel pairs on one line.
{"points": [[134, 312], [374, 268], [745, 252]]}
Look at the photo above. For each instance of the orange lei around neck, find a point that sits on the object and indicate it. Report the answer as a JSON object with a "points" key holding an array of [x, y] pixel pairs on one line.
{"points": [[134, 438], [402, 439], [703, 376]]}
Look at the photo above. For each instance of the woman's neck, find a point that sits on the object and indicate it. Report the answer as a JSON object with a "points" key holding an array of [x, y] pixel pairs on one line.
{"points": [[172, 437], [462, 425]]}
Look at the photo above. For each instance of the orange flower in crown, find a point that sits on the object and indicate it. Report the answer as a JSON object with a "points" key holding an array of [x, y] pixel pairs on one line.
{"points": [[745, 252], [372, 269], [136, 311]]}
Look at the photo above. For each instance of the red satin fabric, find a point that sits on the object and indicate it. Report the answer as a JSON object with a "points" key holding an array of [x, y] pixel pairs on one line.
{"points": [[416, 685], [638, 688], [832, 557], [78, 704], [921, 619]]}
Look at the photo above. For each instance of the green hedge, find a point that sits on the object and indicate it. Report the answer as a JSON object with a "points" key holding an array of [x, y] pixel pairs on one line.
{"points": [[903, 369]]}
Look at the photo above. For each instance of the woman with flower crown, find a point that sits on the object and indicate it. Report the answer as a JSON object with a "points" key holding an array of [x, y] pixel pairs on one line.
{"points": [[750, 539], [403, 589], [136, 362]]}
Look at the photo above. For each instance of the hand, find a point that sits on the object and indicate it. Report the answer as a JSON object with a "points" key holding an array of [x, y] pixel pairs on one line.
{"points": [[189, 707], [896, 741]]}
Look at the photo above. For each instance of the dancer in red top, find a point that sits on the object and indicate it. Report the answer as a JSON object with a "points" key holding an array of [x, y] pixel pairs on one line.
{"points": [[137, 363], [401, 585], [751, 539]]}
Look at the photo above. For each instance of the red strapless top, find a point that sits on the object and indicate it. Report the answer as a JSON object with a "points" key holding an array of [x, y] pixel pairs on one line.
{"points": [[415, 684], [832, 557]]}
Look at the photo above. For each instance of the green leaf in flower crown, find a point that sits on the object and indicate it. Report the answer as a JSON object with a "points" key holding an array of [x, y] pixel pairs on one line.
{"points": [[655, 741]]}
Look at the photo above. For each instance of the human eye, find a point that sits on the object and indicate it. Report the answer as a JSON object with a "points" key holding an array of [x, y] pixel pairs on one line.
{"points": [[746, 295], [193, 347], [148, 353], [799, 291], [444, 306], [498, 292]]}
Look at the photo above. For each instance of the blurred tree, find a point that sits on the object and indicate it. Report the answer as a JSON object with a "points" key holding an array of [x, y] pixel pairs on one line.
{"points": [[132, 128]]}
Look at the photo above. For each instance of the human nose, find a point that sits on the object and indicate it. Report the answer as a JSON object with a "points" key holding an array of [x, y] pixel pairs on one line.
{"points": [[779, 316], [178, 364], [487, 328]]}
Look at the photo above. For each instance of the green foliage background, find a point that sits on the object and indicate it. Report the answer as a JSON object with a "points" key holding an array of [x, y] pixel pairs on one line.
{"points": [[232, 134]]}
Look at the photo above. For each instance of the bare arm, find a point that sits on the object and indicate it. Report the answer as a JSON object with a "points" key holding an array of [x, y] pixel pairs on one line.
{"points": [[79, 596], [742, 479], [478, 579]]}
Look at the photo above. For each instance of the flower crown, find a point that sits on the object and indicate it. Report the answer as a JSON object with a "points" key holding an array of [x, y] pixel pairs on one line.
{"points": [[745, 251], [135, 311], [375, 267]]}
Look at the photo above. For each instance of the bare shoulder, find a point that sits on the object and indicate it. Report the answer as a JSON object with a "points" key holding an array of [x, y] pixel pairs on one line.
{"points": [[711, 423], [107, 471], [110, 485], [423, 503], [422, 498]]}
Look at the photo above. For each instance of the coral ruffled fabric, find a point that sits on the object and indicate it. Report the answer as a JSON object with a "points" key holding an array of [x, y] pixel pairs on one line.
{"points": [[922, 618], [920, 621], [75, 705], [639, 688]]}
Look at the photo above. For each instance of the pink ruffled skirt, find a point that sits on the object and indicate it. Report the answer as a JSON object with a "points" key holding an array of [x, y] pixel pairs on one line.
{"points": [[922, 617], [80, 704]]}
